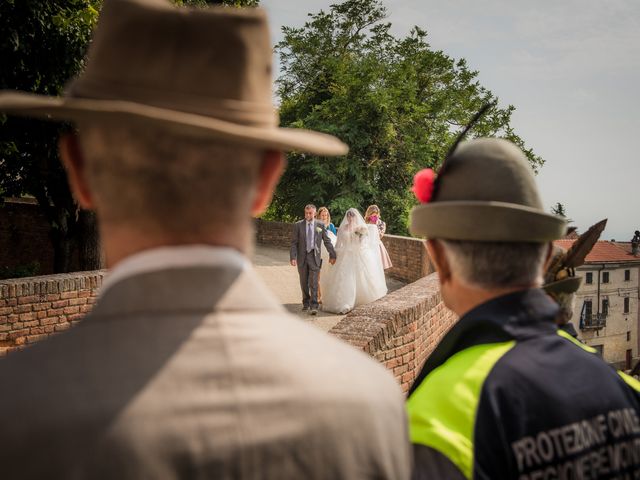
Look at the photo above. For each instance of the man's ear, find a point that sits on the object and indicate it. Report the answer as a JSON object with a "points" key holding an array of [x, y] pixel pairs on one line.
{"points": [[439, 259], [273, 164], [74, 164]]}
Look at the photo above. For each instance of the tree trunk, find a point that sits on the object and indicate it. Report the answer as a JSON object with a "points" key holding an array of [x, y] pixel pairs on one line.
{"points": [[62, 250], [89, 252]]}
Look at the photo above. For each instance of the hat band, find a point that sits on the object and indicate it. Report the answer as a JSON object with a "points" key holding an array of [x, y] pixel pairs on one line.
{"points": [[230, 110], [485, 221]]}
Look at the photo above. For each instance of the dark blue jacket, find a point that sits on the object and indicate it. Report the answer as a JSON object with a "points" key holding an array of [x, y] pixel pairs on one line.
{"points": [[506, 395]]}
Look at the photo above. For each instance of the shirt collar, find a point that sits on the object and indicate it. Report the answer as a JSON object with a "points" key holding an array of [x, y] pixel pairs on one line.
{"points": [[173, 257]]}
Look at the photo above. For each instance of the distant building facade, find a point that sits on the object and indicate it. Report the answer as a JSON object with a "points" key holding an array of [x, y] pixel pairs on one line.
{"points": [[606, 314]]}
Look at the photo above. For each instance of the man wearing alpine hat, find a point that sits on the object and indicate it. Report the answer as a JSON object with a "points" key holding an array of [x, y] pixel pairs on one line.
{"points": [[506, 394]]}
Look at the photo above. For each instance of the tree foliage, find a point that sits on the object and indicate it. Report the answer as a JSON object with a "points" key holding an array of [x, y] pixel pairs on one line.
{"points": [[42, 47], [396, 102]]}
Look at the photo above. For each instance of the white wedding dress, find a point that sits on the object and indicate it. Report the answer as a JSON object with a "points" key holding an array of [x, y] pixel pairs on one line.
{"points": [[324, 254], [357, 276]]}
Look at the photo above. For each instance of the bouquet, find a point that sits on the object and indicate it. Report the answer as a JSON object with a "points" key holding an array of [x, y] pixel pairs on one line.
{"points": [[361, 231]]}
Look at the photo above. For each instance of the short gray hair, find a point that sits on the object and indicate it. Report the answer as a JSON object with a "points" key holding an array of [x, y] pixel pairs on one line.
{"points": [[491, 265], [166, 182]]}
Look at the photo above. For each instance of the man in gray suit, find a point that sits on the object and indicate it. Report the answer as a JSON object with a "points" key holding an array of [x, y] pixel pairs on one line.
{"points": [[308, 235], [188, 367]]}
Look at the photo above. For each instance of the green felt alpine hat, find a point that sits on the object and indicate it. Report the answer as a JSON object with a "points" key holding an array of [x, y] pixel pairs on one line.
{"points": [[486, 192]]}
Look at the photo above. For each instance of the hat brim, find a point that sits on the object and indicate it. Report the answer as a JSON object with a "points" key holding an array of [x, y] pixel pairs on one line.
{"points": [[485, 221], [566, 285], [74, 109]]}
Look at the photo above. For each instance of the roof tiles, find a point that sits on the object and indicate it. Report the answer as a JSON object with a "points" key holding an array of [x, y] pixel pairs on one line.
{"points": [[603, 252]]}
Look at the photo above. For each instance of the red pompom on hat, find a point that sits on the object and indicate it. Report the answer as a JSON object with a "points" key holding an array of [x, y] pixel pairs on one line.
{"points": [[423, 185]]}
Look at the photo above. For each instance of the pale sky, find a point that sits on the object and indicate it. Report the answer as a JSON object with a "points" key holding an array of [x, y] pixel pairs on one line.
{"points": [[571, 69]]}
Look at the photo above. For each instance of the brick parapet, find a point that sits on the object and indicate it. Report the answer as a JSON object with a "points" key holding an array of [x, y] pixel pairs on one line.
{"points": [[409, 257], [401, 329], [34, 307]]}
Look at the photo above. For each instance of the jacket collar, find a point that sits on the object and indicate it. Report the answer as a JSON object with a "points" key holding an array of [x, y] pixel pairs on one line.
{"points": [[516, 316]]}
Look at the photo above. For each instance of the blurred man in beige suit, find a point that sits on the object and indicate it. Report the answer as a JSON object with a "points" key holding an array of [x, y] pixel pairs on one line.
{"points": [[187, 367]]}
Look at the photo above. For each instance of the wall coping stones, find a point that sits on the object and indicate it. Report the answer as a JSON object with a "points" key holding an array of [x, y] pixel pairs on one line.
{"points": [[49, 284]]}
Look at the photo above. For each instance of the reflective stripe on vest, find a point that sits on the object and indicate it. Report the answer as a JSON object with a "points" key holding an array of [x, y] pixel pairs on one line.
{"points": [[442, 410], [628, 379]]}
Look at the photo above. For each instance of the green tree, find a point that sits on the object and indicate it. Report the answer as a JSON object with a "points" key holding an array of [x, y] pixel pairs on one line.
{"points": [[42, 47], [396, 102]]}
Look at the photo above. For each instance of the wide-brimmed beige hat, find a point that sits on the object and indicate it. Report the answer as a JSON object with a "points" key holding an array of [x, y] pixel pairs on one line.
{"points": [[204, 72], [487, 192]]}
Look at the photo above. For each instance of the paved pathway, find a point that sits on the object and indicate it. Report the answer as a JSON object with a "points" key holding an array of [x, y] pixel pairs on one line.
{"points": [[272, 264]]}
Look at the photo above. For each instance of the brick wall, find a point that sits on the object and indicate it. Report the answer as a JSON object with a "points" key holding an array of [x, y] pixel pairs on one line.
{"points": [[275, 234], [409, 257], [401, 329], [33, 308], [24, 235]]}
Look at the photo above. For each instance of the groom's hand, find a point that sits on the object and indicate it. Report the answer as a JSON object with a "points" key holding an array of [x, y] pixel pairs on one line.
{"points": [[332, 261], [294, 263]]}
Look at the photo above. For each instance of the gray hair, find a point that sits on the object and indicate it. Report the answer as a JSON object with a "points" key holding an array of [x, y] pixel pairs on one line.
{"points": [[491, 265], [165, 182]]}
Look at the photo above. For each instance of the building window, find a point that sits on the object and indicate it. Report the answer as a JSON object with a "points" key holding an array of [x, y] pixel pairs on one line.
{"points": [[627, 275], [605, 307], [626, 304], [605, 277], [628, 336], [588, 308], [589, 278]]}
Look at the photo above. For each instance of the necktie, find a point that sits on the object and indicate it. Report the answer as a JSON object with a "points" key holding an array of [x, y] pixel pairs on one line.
{"points": [[309, 237]]}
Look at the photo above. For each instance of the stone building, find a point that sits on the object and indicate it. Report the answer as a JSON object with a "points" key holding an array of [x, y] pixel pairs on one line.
{"points": [[606, 314]]}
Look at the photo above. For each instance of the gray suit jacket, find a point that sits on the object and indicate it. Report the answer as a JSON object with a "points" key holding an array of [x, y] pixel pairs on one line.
{"points": [[198, 373], [299, 241]]}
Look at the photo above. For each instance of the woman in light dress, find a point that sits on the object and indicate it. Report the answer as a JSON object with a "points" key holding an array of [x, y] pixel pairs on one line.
{"points": [[372, 217], [357, 277]]}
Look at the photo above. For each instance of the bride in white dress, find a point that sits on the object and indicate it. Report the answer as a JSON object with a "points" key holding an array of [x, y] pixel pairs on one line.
{"points": [[357, 276]]}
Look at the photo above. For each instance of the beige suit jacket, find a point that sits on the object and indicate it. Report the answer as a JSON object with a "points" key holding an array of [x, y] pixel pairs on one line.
{"points": [[198, 373]]}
